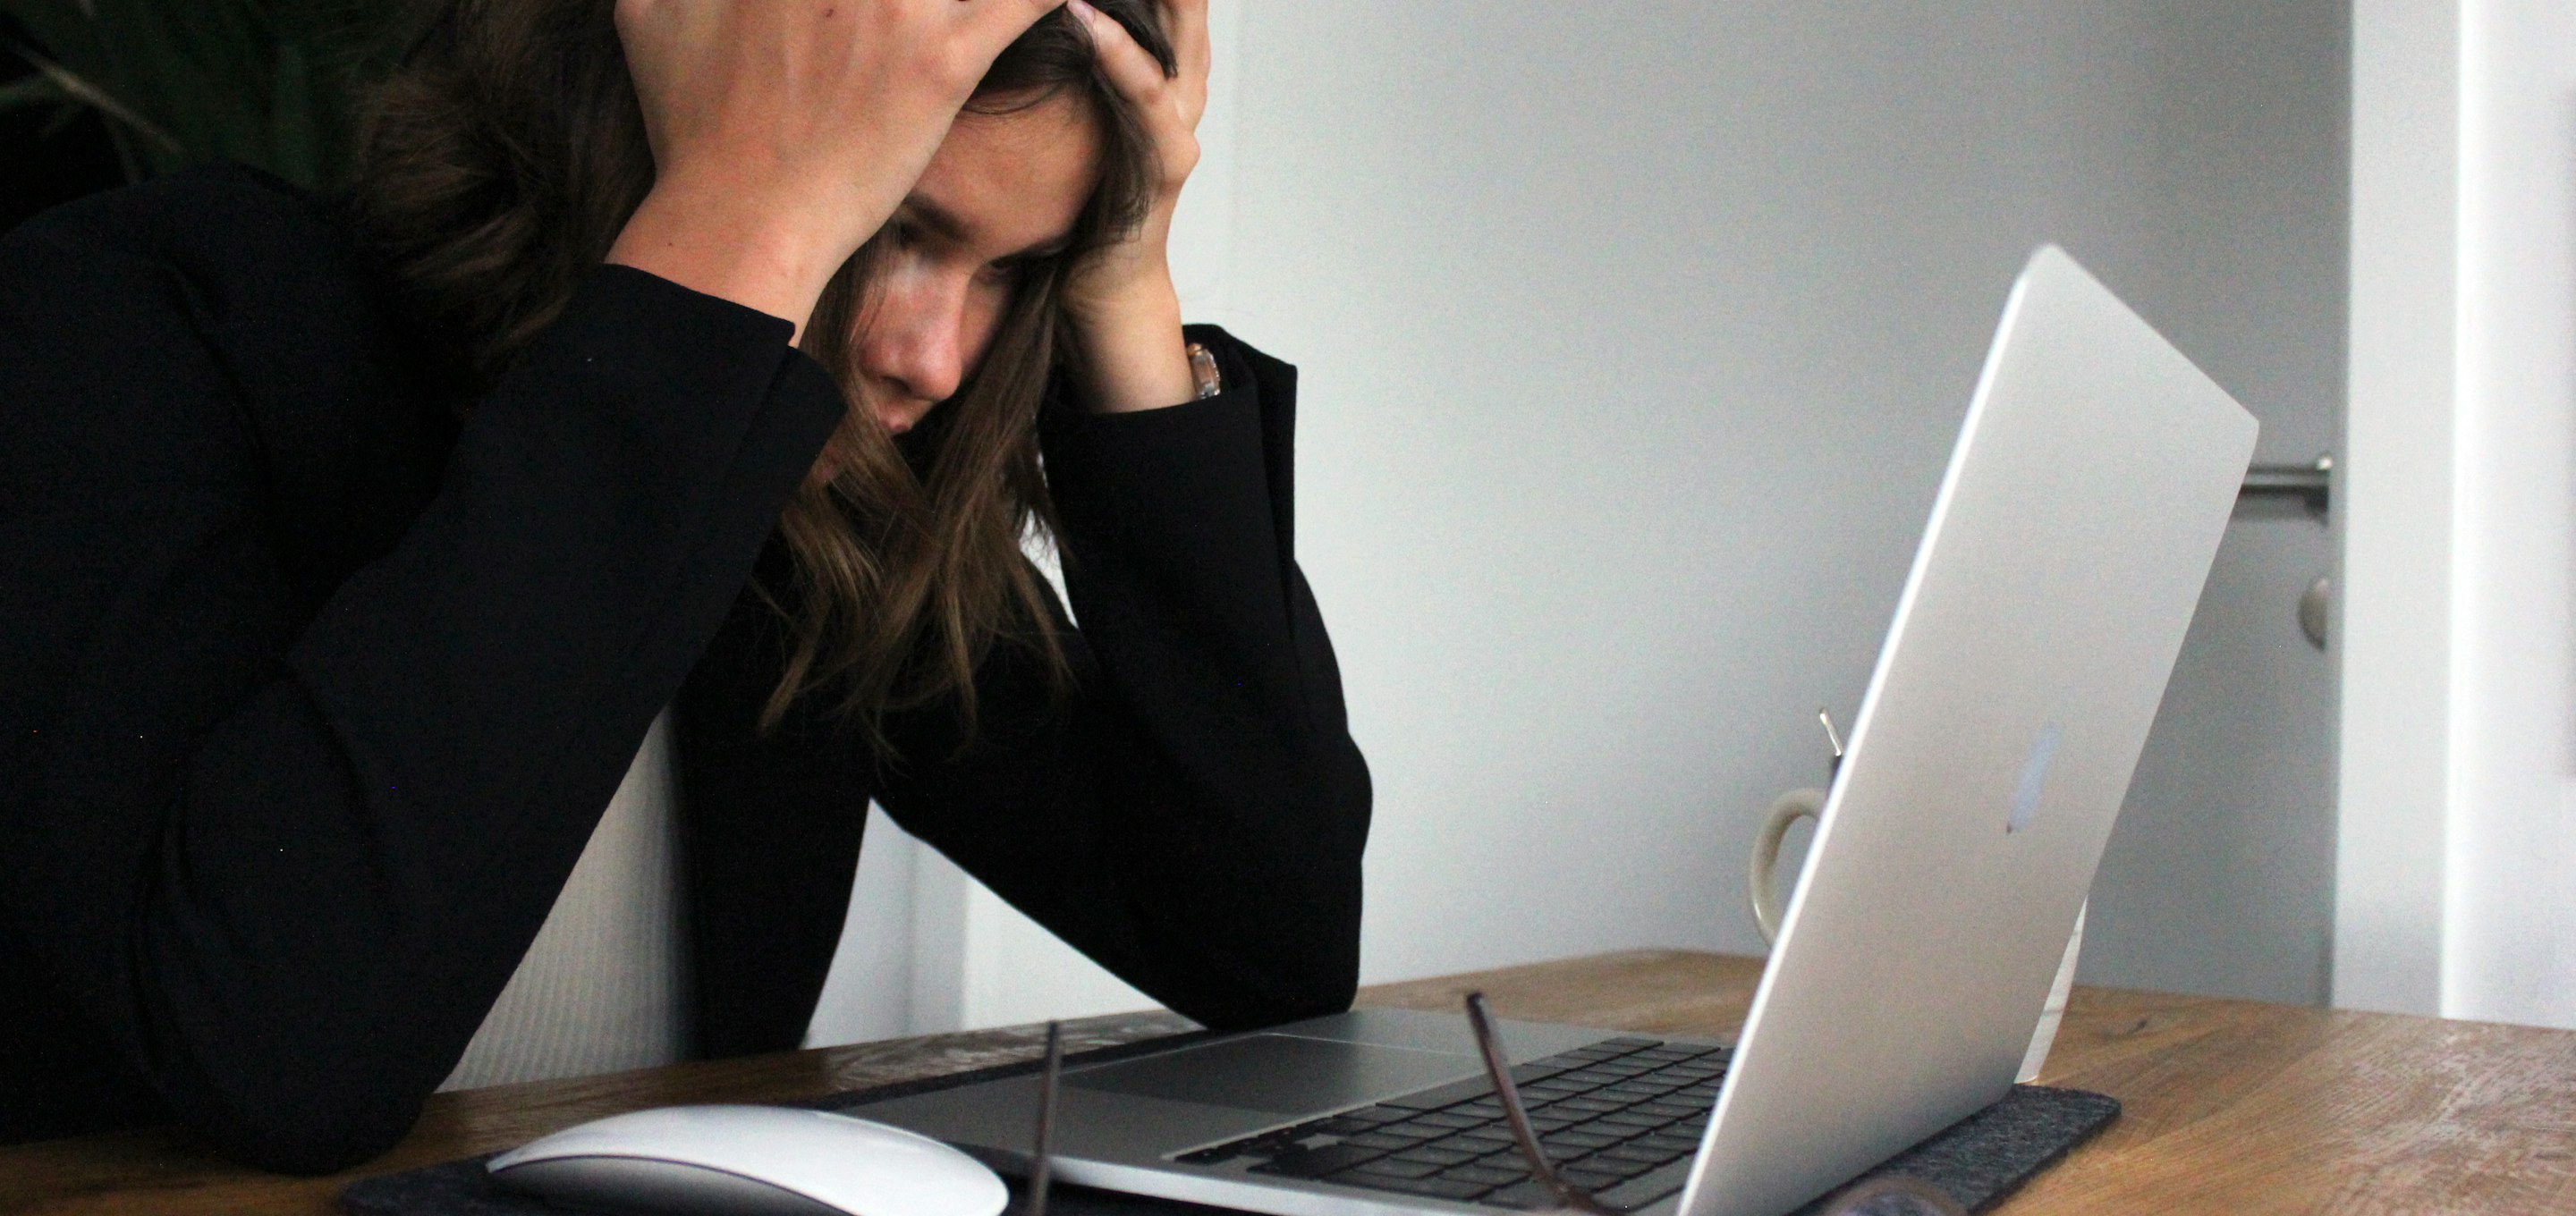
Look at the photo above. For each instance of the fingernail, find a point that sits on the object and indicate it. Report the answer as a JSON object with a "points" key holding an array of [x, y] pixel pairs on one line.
{"points": [[1082, 12]]}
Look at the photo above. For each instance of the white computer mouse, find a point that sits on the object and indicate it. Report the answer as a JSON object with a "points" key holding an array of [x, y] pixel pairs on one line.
{"points": [[758, 1159]]}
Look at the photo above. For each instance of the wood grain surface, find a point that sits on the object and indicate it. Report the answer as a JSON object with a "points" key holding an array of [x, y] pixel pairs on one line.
{"points": [[2231, 1106], [162, 1170]]}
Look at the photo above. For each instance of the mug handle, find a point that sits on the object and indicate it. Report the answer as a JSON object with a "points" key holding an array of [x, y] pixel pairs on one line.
{"points": [[1761, 875]]}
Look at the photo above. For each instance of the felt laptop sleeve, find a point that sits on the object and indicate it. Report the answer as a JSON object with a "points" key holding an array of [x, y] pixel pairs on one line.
{"points": [[1977, 1161]]}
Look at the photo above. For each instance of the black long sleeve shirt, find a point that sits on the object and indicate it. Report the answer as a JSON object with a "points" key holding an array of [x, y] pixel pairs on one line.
{"points": [[311, 694]]}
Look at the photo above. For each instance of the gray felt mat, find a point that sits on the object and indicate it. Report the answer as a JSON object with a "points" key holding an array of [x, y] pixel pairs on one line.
{"points": [[1978, 1160]]}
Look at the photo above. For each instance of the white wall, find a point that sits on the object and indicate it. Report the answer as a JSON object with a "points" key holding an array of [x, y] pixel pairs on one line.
{"points": [[1633, 336], [2458, 868], [2510, 919], [2395, 492]]}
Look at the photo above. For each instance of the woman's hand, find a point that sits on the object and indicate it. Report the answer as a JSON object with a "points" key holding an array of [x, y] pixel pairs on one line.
{"points": [[1125, 314], [784, 132]]}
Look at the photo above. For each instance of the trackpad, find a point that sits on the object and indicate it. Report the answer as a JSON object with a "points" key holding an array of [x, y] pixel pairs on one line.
{"points": [[1278, 1073]]}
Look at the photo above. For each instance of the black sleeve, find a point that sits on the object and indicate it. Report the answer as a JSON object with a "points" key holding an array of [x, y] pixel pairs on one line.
{"points": [[281, 863], [1192, 815]]}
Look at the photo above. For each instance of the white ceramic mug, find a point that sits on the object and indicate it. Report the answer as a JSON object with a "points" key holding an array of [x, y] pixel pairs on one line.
{"points": [[1762, 885]]}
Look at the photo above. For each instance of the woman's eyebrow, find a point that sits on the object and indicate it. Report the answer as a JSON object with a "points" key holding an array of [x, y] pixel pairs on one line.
{"points": [[1038, 252], [952, 228], [941, 222]]}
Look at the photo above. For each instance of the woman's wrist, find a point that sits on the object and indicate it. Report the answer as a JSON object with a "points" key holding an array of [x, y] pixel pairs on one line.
{"points": [[732, 246], [1132, 354]]}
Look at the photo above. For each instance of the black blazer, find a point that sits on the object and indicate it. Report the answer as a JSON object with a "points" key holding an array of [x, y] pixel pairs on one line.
{"points": [[310, 694]]}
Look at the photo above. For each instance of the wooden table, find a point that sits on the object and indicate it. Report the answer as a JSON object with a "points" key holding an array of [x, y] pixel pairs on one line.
{"points": [[2232, 1106]]}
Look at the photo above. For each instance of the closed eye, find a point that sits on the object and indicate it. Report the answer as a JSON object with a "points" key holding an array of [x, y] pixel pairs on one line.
{"points": [[1018, 267]]}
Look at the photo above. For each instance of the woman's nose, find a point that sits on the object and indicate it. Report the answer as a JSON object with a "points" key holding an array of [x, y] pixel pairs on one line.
{"points": [[915, 345]]}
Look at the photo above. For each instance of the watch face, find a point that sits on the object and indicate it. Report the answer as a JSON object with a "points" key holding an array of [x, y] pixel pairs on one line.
{"points": [[1203, 370]]}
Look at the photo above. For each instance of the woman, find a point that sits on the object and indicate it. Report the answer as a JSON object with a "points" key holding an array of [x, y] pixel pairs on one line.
{"points": [[348, 552]]}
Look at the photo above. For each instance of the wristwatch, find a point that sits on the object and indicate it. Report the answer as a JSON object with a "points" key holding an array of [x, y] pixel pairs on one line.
{"points": [[1203, 371]]}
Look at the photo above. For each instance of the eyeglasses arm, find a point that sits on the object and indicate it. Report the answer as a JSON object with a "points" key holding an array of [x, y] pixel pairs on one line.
{"points": [[1499, 1070], [1042, 1160]]}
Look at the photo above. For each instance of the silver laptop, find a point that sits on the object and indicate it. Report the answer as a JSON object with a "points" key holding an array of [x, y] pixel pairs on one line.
{"points": [[2066, 550]]}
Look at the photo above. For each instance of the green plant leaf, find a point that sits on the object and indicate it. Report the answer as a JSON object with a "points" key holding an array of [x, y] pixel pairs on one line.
{"points": [[88, 92], [272, 83], [294, 136], [29, 92], [63, 32]]}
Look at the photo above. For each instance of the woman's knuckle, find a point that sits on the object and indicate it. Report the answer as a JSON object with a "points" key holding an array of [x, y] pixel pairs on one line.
{"points": [[948, 62]]}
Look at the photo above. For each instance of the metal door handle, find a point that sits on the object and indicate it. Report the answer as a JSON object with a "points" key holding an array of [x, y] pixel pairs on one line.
{"points": [[2311, 482]]}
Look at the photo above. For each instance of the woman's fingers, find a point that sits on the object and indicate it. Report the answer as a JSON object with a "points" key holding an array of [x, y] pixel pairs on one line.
{"points": [[1187, 23], [1126, 316], [992, 24], [784, 132], [1164, 101], [1130, 68]]}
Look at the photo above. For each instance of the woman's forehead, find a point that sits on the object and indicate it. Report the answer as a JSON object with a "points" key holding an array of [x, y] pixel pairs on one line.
{"points": [[1014, 181]]}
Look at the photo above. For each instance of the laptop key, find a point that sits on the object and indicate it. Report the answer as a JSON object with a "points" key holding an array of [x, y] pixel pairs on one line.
{"points": [[1317, 1162], [1531, 1196], [1445, 1095], [1267, 1145], [1484, 1175], [1639, 1153], [1389, 1167], [1646, 1188], [1577, 1140], [1381, 1140], [1435, 1156], [1589, 1075], [1617, 1167], [1437, 1188]]}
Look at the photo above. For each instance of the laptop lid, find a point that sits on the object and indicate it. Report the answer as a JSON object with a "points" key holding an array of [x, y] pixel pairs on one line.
{"points": [[2067, 548]]}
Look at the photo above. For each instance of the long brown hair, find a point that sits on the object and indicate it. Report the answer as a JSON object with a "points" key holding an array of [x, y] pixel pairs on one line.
{"points": [[500, 163]]}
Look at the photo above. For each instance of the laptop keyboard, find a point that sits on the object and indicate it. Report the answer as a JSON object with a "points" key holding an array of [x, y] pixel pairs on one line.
{"points": [[1621, 1118]]}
